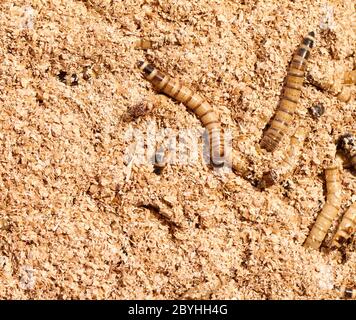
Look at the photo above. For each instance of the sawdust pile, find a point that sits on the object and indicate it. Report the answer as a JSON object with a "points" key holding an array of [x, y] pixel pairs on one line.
{"points": [[80, 219]]}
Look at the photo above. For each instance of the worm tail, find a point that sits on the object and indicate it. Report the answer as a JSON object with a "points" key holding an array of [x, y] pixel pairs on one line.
{"points": [[329, 211]]}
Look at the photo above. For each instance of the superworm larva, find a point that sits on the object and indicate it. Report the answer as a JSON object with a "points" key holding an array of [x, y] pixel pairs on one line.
{"points": [[291, 93], [289, 161], [346, 227], [347, 143], [193, 101], [330, 209], [348, 293], [350, 77], [143, 44]]}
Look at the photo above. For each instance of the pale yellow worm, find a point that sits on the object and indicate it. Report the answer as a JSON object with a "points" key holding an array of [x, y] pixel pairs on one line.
{"points": [[346, 227], [331, 207]]}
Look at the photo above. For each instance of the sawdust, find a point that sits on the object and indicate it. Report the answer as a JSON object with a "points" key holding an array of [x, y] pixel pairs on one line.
{"points": [[81, 218]]}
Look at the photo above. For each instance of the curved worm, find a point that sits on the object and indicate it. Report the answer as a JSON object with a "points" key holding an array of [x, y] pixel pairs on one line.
{"points": [[330, 209], [291, 93], [193, 101], [289, 161], [347, 143], [346, 227]]}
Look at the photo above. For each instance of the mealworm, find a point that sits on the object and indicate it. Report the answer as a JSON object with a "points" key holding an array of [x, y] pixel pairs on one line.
{"points": [[291, 93], [347, 293], [347, 143], [350, 77], [201, 108], [346, 227], [330, 209], [143, 44], [289, 161]]}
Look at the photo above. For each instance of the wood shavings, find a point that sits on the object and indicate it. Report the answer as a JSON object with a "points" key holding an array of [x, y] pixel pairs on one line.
{"points": [[69, 221]]}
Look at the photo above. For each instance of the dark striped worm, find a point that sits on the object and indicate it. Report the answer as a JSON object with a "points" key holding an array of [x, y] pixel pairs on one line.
{"points": [[291, 94], [201, 108], [347, 143], [346, 227], [330, 209], [289, 160]]}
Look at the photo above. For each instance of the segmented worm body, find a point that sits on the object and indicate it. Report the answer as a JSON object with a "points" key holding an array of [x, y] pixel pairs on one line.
{"points": [[291, 93], [346, 227], [193, 101], [289, 161], [347, 144], [330, 209]]}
